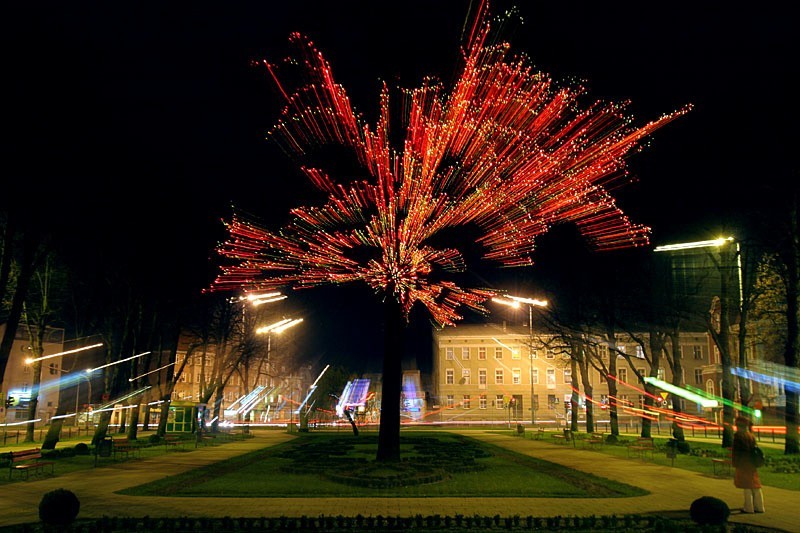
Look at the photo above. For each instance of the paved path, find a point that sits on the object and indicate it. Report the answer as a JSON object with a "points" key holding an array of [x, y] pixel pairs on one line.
{"points": [[671, 489]]}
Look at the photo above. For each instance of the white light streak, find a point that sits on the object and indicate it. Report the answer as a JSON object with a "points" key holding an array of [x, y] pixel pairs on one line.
{"points": [[90, 370], [76, 350]]}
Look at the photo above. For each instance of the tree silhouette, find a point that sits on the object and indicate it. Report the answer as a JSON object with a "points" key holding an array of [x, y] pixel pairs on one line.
{"points": [[504, 153]]}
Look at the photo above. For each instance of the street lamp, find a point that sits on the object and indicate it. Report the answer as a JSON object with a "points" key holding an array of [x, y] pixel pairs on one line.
{"points": [[516, 302], [279, 327]]}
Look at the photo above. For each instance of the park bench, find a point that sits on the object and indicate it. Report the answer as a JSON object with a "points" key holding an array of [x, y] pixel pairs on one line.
{"points": [[641, 447], [564, 437], [27, 461], [124, 447], [172, 441], [595, 439], [723, 463], [539, 435]]}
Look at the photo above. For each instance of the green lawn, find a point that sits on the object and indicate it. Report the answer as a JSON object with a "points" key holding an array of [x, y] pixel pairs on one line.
{"points": [[435, 465]]}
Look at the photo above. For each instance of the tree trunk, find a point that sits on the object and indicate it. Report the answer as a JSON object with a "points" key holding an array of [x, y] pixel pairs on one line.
{"points": [[389, 429], [33, 403], [792, 445], [133, 423], [101, 430], [677, 380]]}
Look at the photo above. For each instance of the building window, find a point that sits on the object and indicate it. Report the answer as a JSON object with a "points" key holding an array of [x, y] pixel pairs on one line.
{"points": [[567, 376], [448, 376], [697, 351], [601, 377], [481, 376], [448, 353], [641, 401], [498, 375], [465, 353], [551, 377], [535, 375], [498, 353], [465, 376], [622, 375], [482, 353], [661, 374], [623, 400], [548, 354], [53, 368], [466, 402], [482, 401], [698, 376], [515, 353], [450, 401], [642, 372], [551, 401], [602, 351], [533, 353], [498, 401], [639, 352], [515, 376]]}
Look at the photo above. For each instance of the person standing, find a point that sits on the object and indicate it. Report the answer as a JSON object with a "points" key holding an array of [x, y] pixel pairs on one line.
{"points": [[746, 474]]}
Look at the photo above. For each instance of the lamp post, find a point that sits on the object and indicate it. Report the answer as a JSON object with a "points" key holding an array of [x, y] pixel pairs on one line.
{"points": [[515, 302], [280, 327]]}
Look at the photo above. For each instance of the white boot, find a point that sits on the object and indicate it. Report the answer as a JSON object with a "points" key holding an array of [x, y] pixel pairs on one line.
{"points": [[748, 501], [758, 501]]}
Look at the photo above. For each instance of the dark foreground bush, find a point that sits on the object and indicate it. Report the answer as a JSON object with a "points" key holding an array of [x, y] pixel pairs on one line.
{"points": [[59, 507], [709, 511], [81, 449]]}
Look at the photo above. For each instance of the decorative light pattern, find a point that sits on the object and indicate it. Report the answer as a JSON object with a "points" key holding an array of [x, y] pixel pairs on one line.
{"points": [[504, 150]]}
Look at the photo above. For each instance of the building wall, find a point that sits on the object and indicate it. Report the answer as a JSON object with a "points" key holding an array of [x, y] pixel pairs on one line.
{"points": [[18, 378], [486, 373]]}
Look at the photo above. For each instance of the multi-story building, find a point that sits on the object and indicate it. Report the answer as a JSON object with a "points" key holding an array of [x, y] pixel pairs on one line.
{"points": [[19, 377], [495, 373]]}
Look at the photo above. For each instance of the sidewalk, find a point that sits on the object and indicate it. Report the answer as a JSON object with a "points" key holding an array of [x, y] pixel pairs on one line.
{"points": [[672, 489]]}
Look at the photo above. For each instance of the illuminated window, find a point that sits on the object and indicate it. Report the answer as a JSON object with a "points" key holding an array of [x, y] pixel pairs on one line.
{"points": [[602, 351], [535, 375], [482, 401], [466, 402], [698, 376], [498, 401], [623, 400], [448, 376], [482, 353], [448, 353], [464, 353], [622, 375], [515, 353], [515, 376], [551, 401], [498, 353], [567, 376], [661, 374], [551, 377], [639, 352], [450, 400], [481, 376], [465, 375], [548, 354], [697, 351], [498, 375], [533, 353]]}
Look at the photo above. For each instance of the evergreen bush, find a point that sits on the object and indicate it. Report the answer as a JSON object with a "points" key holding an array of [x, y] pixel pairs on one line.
{"points": [[708, 510], [81, 448], [59, 507]]}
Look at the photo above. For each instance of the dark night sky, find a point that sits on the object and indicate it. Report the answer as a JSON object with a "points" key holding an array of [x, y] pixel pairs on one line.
{"points": [[135, 125]]}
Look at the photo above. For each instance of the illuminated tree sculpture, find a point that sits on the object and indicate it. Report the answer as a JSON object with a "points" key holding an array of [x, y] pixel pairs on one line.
{"points": [[504, 152]]}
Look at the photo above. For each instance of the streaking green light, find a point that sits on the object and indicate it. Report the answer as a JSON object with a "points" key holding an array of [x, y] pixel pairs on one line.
{"points": [[730, 403], [683, 393], [757, 413]]}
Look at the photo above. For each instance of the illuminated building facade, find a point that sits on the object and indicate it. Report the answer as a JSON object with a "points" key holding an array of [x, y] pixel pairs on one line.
{"points": [[489, 373]]}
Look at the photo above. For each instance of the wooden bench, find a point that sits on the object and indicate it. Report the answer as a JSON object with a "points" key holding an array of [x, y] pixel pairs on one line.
{"points": [[539, 435], [723, 463], [641, 447], [172, 442], [564, 437], [27, 461], [595, 439], [123, 446]]}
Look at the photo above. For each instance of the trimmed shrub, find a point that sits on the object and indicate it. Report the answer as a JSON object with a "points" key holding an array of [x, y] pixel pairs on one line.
{"points": [[154, 439], [710, 511], [81, 448], [59, 507]]}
